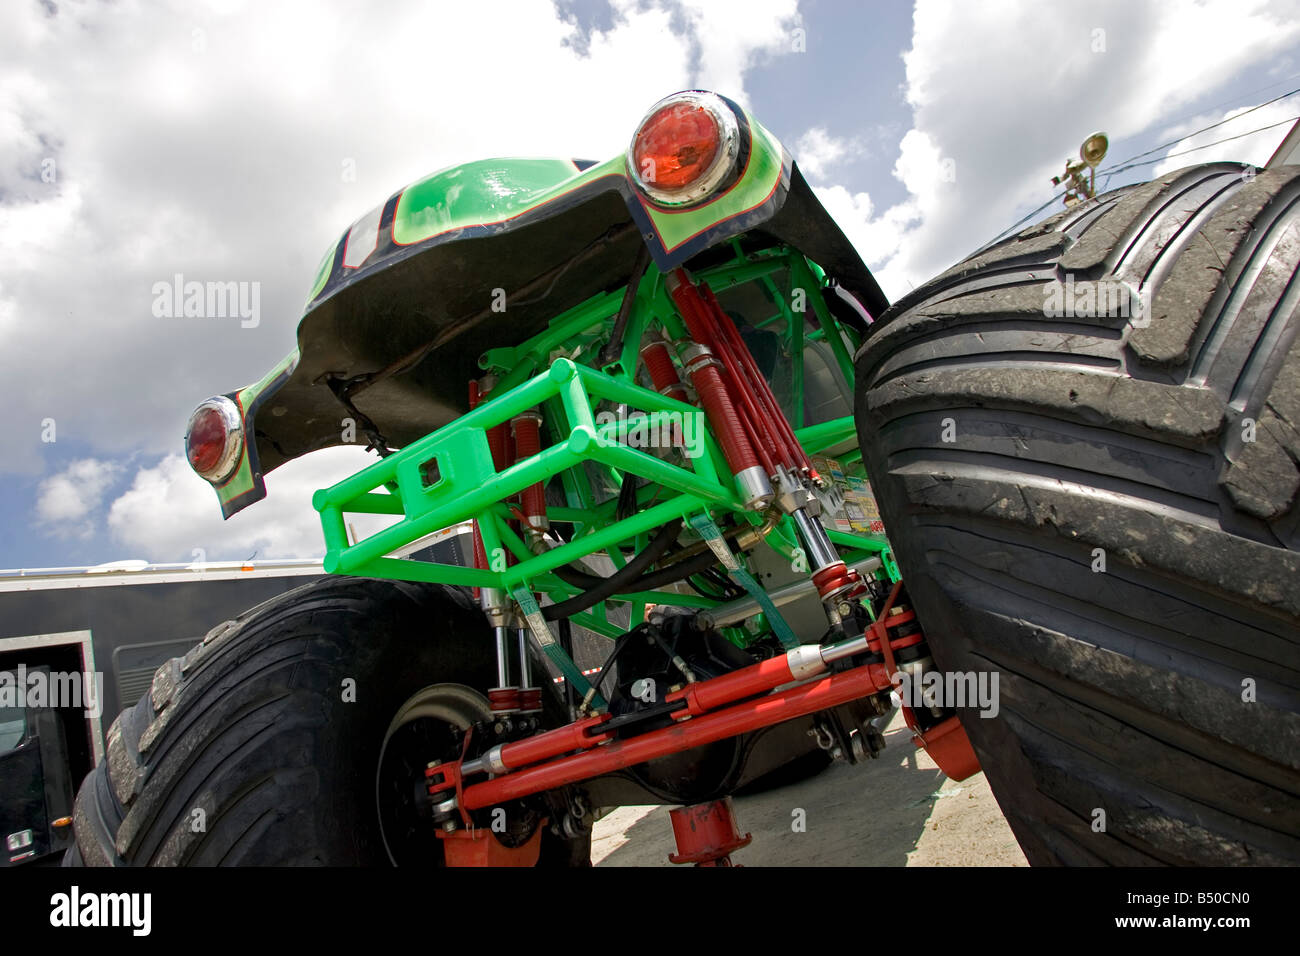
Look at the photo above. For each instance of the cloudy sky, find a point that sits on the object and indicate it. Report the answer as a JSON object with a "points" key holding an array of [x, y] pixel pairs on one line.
{"points": [[231, 140]]}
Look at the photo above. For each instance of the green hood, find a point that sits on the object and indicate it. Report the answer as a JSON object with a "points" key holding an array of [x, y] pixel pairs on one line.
{"points": [[411, 285]]}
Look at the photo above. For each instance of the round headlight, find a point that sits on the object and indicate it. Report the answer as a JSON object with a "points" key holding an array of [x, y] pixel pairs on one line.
{"points": [[214, 440], [685, 148]]}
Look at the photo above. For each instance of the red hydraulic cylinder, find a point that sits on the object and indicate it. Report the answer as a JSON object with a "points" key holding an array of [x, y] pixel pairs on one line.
{"points": [[659, 363], [576, 736], [759, 678], [709, 385], [528, 442], [728, 333], [683, 735], [700, 697]]}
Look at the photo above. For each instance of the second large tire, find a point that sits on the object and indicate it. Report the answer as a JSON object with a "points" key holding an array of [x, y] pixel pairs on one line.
{"points": [[262, 745], [1097, 500]]}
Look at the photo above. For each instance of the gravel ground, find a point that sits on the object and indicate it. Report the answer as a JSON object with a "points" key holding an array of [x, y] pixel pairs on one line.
{"points": [[898, 810]]}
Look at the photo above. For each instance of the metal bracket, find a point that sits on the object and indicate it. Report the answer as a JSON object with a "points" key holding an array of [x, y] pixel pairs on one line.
{"points": [[713, 536], [545, 642]]}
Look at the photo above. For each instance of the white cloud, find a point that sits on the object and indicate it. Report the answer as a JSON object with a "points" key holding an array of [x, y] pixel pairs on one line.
{"points": [[1234, 140], [817, 151], [732, 34], [65, 501], [208, 139], [169, 512], [1001, 92], [876, 237]]}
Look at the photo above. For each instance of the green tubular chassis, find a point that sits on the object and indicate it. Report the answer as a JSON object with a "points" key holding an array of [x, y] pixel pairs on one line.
{"points": [[636, 429], [569, 389]]}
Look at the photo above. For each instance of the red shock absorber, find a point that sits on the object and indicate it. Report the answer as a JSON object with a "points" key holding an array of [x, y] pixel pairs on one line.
{"points": [[505, 700], [659, 363], [761, 387], [498, 436], [663, 373], [836, 580], [528, 442], [762, 447], [725, 421], [500, 443], [757, 419], [480, 553], [709, 324]]}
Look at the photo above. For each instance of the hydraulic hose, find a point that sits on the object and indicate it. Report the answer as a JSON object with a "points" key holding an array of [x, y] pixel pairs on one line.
{"points": [[614, 346], [619, 580], [679, 569]]}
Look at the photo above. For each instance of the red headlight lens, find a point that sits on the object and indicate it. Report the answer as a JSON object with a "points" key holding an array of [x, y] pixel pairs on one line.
{"points": [[685, 149], [206, 442], [675, 146], [214, 439]]}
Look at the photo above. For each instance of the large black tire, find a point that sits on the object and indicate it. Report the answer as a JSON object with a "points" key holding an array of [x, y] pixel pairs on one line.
{"points": [[253, 734], [1076, 506]]}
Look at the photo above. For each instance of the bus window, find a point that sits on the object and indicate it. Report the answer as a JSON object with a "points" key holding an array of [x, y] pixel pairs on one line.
{"points": [[13, 728]]}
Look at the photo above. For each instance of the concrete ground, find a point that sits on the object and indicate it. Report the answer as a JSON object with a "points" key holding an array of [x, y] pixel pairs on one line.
{"points": [[898, 810]]}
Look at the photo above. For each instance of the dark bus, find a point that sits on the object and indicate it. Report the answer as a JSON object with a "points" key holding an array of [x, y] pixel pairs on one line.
{"points": [[77, 646], [80, 645]]}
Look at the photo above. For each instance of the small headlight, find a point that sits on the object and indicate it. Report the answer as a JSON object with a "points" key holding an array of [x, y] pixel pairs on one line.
{"points": [[685, 148], [214, 440]]}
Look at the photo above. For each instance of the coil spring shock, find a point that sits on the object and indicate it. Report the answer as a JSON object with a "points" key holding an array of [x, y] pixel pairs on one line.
{"points": [[526, 429], [505, 697], [706, 375], [663, 373]]}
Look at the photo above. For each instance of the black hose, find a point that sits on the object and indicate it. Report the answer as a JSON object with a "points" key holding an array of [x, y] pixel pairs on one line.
{"points": [[619, 643], [620, 580], [614, 347], [726, 589], [627, 504], [675, 572], [570, 574], [646, 582], [574, 575]]}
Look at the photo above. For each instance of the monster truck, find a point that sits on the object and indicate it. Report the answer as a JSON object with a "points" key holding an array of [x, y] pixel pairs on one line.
{"points": [[681, 415]]}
